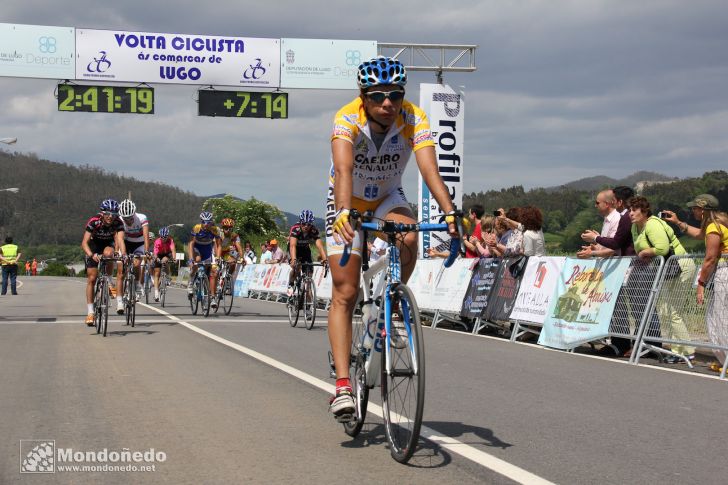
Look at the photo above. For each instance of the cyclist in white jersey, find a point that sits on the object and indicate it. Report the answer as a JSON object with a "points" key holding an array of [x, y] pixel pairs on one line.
{"points": [[136, 240], [372, 140]]}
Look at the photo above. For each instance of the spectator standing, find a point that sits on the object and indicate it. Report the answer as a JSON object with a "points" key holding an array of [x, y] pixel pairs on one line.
{"points": [[34, 267], [487, 230], [714, 230], [249, 254], [27, 268], [9, 257], [606, 204], [277, 254], [653, 237], [621, 242], [266, 254], [531, 223], [514, 245], [474, 215]]}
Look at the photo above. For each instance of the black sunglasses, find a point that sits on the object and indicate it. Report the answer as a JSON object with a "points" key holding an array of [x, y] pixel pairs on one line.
{"points": [[379, 96]]}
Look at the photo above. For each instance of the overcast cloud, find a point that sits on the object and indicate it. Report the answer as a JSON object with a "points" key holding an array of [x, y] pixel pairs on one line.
{"points": [[564, 89]]}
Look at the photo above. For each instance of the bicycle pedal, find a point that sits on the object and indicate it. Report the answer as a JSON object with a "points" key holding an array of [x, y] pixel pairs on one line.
{"points": [[345, 418]]}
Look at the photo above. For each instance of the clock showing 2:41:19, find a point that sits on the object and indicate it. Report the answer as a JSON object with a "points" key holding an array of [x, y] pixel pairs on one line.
{"points": [[106, 99]]}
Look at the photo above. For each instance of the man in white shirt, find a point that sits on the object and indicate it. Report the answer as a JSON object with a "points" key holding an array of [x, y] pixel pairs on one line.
{"points": [[606, 206]]}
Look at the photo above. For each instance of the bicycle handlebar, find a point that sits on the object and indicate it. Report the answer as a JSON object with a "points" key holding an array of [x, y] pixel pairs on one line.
{"points": [[391, 227]]}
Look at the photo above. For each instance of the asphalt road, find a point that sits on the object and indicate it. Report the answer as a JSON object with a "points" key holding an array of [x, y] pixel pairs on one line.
{"points": [[243, 398]]}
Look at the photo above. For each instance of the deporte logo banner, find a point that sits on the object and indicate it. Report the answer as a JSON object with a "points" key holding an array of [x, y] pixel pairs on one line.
{"points": [[117, 55], [323, 63], [37, 51], [583, 302]]}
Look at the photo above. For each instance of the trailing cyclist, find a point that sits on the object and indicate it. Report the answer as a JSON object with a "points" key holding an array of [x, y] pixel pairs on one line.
{"points": [[300, 238], [136, 239], [373, 137], [164, 252], [203, 247], [104, 233], [231, 249]]}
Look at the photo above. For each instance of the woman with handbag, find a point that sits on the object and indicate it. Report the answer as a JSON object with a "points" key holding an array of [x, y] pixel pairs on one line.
{"points": [[714, 230], [653, 237]]}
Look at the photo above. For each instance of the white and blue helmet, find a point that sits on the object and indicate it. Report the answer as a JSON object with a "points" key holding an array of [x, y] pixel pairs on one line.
{"points": [[381, 71]]}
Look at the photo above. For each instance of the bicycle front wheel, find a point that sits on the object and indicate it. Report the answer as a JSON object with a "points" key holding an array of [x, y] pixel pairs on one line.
{"points": [[403, 376], [206, 296], [195, 298], [162, 290], [227, 296], [104, 317], [309, 302]]}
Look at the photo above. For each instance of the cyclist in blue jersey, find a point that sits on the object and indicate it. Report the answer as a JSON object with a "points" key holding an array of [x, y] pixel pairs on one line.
{"points": [[204, 246]]}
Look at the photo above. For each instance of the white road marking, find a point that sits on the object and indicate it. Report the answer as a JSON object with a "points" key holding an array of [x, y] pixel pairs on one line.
{"points": [[482, 458]]}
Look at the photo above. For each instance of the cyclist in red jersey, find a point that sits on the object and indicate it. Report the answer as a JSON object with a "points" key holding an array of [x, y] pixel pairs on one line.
{"points": [[164, 251], [104, 233]]}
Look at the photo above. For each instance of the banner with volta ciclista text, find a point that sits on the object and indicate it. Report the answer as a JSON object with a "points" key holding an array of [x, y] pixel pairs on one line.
{"points": [[117, 55], [445, 109], [583, 301]]}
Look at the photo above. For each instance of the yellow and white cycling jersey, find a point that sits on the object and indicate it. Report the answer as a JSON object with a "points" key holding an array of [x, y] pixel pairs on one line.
{"points": [[377, 173]]}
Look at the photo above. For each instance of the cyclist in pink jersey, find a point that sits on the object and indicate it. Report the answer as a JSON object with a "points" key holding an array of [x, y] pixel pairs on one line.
{"points": [[164, 251]]}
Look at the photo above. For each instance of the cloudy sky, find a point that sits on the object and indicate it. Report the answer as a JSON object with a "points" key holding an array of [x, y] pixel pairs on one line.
{"points": [[564, 89]]}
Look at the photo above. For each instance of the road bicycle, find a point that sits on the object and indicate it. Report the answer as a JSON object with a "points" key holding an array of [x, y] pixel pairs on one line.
{"points": [[304, 296], [224, 292], [102, 296], [129, 288], [388, 348], [200, 291], [164, 282]]}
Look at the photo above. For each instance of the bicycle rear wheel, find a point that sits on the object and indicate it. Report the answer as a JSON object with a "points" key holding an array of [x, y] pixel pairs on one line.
{"points": [[403, 380], [357, 373], [227, 296], [309, 302], [206, 296]]}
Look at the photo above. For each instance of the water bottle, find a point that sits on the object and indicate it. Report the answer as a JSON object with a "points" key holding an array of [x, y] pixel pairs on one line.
{"points": [[369, 319]]}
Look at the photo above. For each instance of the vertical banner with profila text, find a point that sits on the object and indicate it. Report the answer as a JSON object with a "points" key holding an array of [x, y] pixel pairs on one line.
{"points": [[445, 109]]}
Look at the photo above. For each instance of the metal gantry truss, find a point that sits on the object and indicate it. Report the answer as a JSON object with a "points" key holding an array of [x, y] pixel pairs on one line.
{"points": [[436, 58]]}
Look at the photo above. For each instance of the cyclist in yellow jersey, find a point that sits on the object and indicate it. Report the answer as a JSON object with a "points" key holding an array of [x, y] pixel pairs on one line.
{"points": [[231, 250], [203, 247], [373, 137]]}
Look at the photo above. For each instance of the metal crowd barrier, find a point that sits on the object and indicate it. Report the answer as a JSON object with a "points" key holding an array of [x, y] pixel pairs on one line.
{"points": [[678, 321]]}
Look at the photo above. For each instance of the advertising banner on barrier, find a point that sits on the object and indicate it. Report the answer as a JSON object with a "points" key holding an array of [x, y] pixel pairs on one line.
{"points": [[445, 109], [37, 51], [537, 288], [482, 282], [117, 55], [243, 280], [583, 302], [504, 297], [450, 286], [323, 63]]}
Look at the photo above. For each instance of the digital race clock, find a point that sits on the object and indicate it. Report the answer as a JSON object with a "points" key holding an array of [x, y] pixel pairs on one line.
{"points": [[106, 99], [243, 104]]}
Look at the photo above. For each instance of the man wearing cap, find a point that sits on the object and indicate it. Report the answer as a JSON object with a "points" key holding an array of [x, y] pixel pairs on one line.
{"points": [[277, 254], [9, 257], [714, 230]]}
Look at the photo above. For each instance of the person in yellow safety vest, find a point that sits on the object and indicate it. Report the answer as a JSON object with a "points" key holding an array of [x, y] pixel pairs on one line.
{"points": [[9, 257]]}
